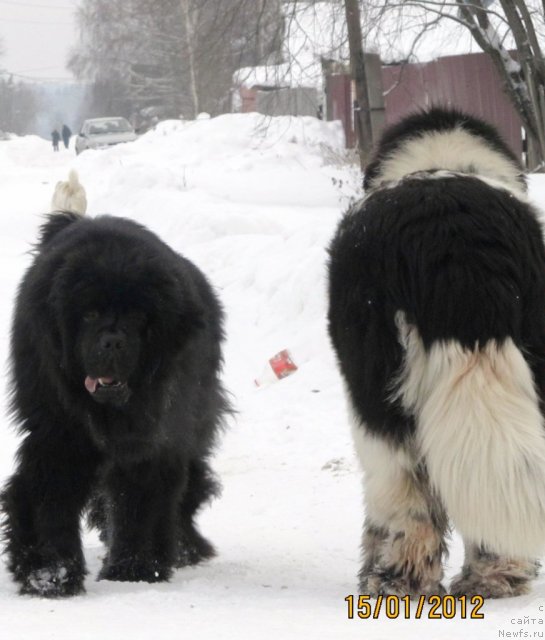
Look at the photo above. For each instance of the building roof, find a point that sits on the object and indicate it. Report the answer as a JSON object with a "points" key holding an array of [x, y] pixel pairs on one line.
{"points": [[312, 31]]}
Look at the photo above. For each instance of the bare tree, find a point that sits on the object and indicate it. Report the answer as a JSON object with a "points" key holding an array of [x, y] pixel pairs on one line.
{"points": [[171, 56], [19, 105], [190, 35], [524, 74], [18, 102], [509, 32]]}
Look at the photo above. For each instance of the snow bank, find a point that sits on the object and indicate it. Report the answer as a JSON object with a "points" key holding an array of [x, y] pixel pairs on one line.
{"points": [[252, 200]]}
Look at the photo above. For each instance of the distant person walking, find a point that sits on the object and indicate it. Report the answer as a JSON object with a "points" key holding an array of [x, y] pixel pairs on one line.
{"points": [[55, 137], [66, 134]]}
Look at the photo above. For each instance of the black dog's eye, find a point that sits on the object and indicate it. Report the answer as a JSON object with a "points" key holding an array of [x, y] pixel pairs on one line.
{"points": [[90, 316]]}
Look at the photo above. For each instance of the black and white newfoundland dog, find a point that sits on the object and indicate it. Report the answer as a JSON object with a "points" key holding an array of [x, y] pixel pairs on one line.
{"points": [[437, 317], [115, 360]]}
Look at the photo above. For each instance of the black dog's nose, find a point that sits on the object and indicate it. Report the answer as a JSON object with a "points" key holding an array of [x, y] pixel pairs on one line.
{"points": [[112, 341]]}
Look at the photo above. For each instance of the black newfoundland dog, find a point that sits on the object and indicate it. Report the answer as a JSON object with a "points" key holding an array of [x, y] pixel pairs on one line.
{"points": [[437, 316], [115, 362]]}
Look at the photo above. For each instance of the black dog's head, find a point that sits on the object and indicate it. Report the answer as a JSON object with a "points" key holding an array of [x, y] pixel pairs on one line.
{"points": [[109, 346], [121, 310]]}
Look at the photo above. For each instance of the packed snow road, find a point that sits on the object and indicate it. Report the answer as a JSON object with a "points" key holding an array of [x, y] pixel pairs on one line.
{"points": [[253, 202]]}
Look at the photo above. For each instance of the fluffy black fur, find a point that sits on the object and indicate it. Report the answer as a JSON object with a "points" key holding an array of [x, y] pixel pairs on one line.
{"points": [[115, 360]]}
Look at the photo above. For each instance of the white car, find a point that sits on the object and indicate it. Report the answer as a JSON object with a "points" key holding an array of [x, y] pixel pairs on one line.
{"points": [[99, 133]]}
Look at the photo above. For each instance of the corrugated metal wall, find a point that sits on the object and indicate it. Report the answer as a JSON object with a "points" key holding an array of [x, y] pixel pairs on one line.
{"points": [[339, 104], [288, 102], [469, 82]]}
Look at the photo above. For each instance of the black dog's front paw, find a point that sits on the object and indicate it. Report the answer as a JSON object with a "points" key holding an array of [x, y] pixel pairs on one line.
{"points": [[193, 548], [56, 581], [135, 570]]}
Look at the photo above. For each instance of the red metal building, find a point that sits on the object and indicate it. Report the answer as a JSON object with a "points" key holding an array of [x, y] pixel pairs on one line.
{"points": [[469, 82]]}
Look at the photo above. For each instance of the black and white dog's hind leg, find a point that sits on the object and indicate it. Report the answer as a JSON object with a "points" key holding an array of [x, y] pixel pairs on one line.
{"points": [[404, 532], [480, 431]]}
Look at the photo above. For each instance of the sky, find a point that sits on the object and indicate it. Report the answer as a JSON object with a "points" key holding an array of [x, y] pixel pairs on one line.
{"points": [[37, 36]]}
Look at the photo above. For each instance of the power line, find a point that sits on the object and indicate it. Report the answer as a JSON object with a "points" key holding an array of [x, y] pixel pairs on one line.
{"points": [[25, 71], [36, 6], [5, 72], [55, 23]]}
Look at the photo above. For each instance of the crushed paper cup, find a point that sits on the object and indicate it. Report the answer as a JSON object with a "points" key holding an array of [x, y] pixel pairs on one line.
{"points": [[278, 367]]}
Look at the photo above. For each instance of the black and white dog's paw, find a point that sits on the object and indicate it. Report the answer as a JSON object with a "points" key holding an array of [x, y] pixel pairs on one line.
{"points": [[495, 577], [498, 585], [387, 584]]}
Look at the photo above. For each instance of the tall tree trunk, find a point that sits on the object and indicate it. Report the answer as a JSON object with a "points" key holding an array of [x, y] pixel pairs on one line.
{"points": [[359, 75], [189, 31]]}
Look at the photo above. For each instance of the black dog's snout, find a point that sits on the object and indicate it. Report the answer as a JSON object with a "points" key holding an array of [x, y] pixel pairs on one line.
{"points": [[112, 341]]}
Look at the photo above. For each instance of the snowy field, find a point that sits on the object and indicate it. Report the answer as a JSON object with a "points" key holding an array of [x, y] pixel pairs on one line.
{"points": [[253, 202]]}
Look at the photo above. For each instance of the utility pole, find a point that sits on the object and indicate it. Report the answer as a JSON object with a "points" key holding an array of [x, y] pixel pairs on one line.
{"points": [[359, 75], [189, 31]]}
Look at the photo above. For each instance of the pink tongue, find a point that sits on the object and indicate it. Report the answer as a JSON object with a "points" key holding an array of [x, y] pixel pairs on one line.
{"points": [[91, 384]]}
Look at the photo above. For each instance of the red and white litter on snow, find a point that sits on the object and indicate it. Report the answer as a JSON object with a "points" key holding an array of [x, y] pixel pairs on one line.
{"points": [[279, 366]]}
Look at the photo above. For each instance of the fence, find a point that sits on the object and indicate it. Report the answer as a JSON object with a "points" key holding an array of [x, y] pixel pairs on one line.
{"points": [[282, 102], [469, 82]]}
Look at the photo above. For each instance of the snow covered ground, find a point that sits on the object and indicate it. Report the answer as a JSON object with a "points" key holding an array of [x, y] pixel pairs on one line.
{"points": [[253, 201]]}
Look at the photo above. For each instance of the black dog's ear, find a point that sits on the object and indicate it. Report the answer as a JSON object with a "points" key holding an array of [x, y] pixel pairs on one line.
{"points": [[56, 222]]}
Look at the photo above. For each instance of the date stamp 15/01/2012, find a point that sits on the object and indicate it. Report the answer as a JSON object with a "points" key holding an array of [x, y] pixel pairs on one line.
{"points": [[393, 607]]}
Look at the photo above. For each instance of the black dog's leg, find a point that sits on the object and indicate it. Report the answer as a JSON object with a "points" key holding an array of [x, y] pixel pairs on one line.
{"points": [[42, 504], [142, 503], [97, 514], [493, 576], [201, 487]]}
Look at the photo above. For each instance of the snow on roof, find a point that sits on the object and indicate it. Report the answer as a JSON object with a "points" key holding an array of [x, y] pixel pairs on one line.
{"points": [[313, 31]]}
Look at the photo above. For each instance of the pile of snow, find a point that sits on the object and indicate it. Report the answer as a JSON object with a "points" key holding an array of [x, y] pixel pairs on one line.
{"points": [[253, 202]]}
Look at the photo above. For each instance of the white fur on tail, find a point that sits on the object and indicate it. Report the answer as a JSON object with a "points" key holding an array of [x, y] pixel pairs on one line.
{"points": [[70, 195], [481, 433]]}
